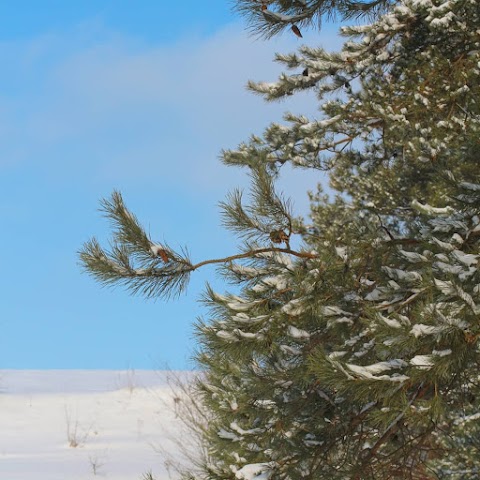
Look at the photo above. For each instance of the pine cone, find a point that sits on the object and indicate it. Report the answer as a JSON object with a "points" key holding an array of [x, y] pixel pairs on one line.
{"points": [[297, 31], [160, 252], [278, 236]]}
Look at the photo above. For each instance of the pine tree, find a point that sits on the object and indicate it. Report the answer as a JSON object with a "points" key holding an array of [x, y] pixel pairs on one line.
{"points": [[351, 351]]}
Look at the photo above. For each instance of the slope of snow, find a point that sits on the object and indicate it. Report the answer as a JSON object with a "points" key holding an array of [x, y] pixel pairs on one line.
{"points": [[79, 425]]}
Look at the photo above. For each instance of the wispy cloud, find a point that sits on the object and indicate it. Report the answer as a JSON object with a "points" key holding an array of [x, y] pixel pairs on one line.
{"points": [[107, 107]]}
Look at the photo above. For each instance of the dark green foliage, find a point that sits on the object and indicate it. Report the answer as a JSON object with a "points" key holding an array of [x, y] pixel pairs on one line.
{"points": [[145, 267], [267, 18]]}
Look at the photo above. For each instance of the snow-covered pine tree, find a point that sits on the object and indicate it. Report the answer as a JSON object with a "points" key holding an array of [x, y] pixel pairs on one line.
{"points": [[351, 351]]}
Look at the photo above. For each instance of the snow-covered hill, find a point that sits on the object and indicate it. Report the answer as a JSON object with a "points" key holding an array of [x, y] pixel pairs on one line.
{"points": [[79, 425]]}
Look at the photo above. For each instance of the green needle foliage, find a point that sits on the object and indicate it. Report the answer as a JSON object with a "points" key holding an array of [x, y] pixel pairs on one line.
{"points": [[355, 355], [267, 18], [148, 268]]}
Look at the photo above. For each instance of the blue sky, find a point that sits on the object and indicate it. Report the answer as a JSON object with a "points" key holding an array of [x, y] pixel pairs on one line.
{"points": [[137, 96]]}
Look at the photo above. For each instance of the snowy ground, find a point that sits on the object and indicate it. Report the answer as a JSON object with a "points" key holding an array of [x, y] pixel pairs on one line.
{"points": [[79, 425]]}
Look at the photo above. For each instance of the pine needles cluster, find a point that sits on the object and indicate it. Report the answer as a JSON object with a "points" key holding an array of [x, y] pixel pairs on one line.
{"points": [[356, 355], [267, 18]]}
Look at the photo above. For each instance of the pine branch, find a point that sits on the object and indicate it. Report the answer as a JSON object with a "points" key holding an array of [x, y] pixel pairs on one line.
{"points": [[267, 18], [255, 253], [127, 229], [155, 270], [391, 429], [268, 217], [110, 268], [114, 267]]}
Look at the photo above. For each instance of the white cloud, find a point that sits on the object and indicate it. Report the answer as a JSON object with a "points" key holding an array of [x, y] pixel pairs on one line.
{"points": [[128, 112]]}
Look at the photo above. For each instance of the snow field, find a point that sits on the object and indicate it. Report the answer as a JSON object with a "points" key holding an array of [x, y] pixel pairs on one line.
{"points": [[79, 425]]}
